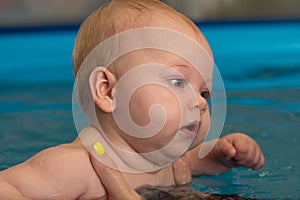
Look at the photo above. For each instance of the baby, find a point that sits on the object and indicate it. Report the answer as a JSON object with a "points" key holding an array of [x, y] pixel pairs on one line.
{"points": [[143, 79]]}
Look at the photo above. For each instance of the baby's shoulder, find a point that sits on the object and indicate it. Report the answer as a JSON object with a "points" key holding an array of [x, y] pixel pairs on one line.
{"points": [[61, 155], [71, 161], [68, 160]]}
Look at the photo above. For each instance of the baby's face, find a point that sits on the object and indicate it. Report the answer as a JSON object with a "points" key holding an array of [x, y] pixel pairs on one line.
{"points": [[168, 109], [171, 109], [177, 89], [161, 92]]}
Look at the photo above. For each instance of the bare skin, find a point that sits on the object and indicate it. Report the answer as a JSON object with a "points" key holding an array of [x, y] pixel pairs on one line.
{"points": [[80, 173]]}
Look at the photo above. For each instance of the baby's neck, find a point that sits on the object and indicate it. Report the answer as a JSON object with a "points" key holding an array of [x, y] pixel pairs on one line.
{"points": [[123, 156]]}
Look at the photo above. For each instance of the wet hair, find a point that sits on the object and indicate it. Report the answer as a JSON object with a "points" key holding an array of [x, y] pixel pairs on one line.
{"points": [[115, 17]]}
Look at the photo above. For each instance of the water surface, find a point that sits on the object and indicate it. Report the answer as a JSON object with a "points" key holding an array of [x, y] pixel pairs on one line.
{"points": [[260, 64]]}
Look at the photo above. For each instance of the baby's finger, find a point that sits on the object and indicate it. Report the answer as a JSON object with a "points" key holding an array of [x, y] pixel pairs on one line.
{"points": [[226, 153], [249, 154], [242, 150], [228, 149], [182, 171], [259, 161], [112, 179]]}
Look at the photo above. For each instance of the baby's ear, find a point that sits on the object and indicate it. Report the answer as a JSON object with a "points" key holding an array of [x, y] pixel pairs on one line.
{"points": [[102, 82]]}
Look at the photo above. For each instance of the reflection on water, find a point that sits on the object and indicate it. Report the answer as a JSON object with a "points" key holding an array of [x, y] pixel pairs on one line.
{"points": [[269, 72]]}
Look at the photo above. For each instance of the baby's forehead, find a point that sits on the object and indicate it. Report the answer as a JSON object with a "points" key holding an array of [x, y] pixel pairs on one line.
{"points": [[145, 56], [165, 44], [150, 57]]}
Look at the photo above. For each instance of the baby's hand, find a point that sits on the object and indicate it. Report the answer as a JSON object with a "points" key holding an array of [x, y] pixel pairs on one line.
{"points": [[238, 149]]}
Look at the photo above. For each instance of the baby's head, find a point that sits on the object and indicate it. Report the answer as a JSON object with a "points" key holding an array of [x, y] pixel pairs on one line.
{"points": [[121, 15], [154, 92]]}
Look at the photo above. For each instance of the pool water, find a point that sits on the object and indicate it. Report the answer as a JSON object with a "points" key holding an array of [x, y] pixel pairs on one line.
{"points": [[260, 65]]}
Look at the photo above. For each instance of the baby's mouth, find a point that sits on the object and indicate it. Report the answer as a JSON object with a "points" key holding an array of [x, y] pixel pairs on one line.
{"points": [[190, 129]]}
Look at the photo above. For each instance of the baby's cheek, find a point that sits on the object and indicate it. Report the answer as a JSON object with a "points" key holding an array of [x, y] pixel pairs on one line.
{"points": [[140, 105], [143, 100], [203, 130]]}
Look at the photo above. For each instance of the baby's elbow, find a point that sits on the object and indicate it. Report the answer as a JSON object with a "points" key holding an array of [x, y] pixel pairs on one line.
{"points": [[9, 192]]}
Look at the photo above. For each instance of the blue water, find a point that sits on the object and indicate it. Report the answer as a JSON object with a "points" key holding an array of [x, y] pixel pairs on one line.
{"points": [[260, 65]]}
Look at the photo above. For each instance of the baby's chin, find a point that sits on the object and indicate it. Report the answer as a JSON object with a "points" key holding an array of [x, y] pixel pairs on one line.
{"points": [[196, 143], [164, 157]]}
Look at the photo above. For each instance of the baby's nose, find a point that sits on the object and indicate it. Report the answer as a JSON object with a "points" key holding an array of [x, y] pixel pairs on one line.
{"points": [[199, 103]]}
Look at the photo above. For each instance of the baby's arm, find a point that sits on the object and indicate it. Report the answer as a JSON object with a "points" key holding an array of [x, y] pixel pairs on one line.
{"points": [[232, 150], [58, 172], [9, 192]]}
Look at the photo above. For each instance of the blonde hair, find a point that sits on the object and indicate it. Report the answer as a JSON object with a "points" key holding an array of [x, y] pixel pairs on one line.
{"points": [[115, 17]]}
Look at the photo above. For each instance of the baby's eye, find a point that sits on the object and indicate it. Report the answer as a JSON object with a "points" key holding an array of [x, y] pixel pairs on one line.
{"points": [[177, 82], [205, 94]]}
